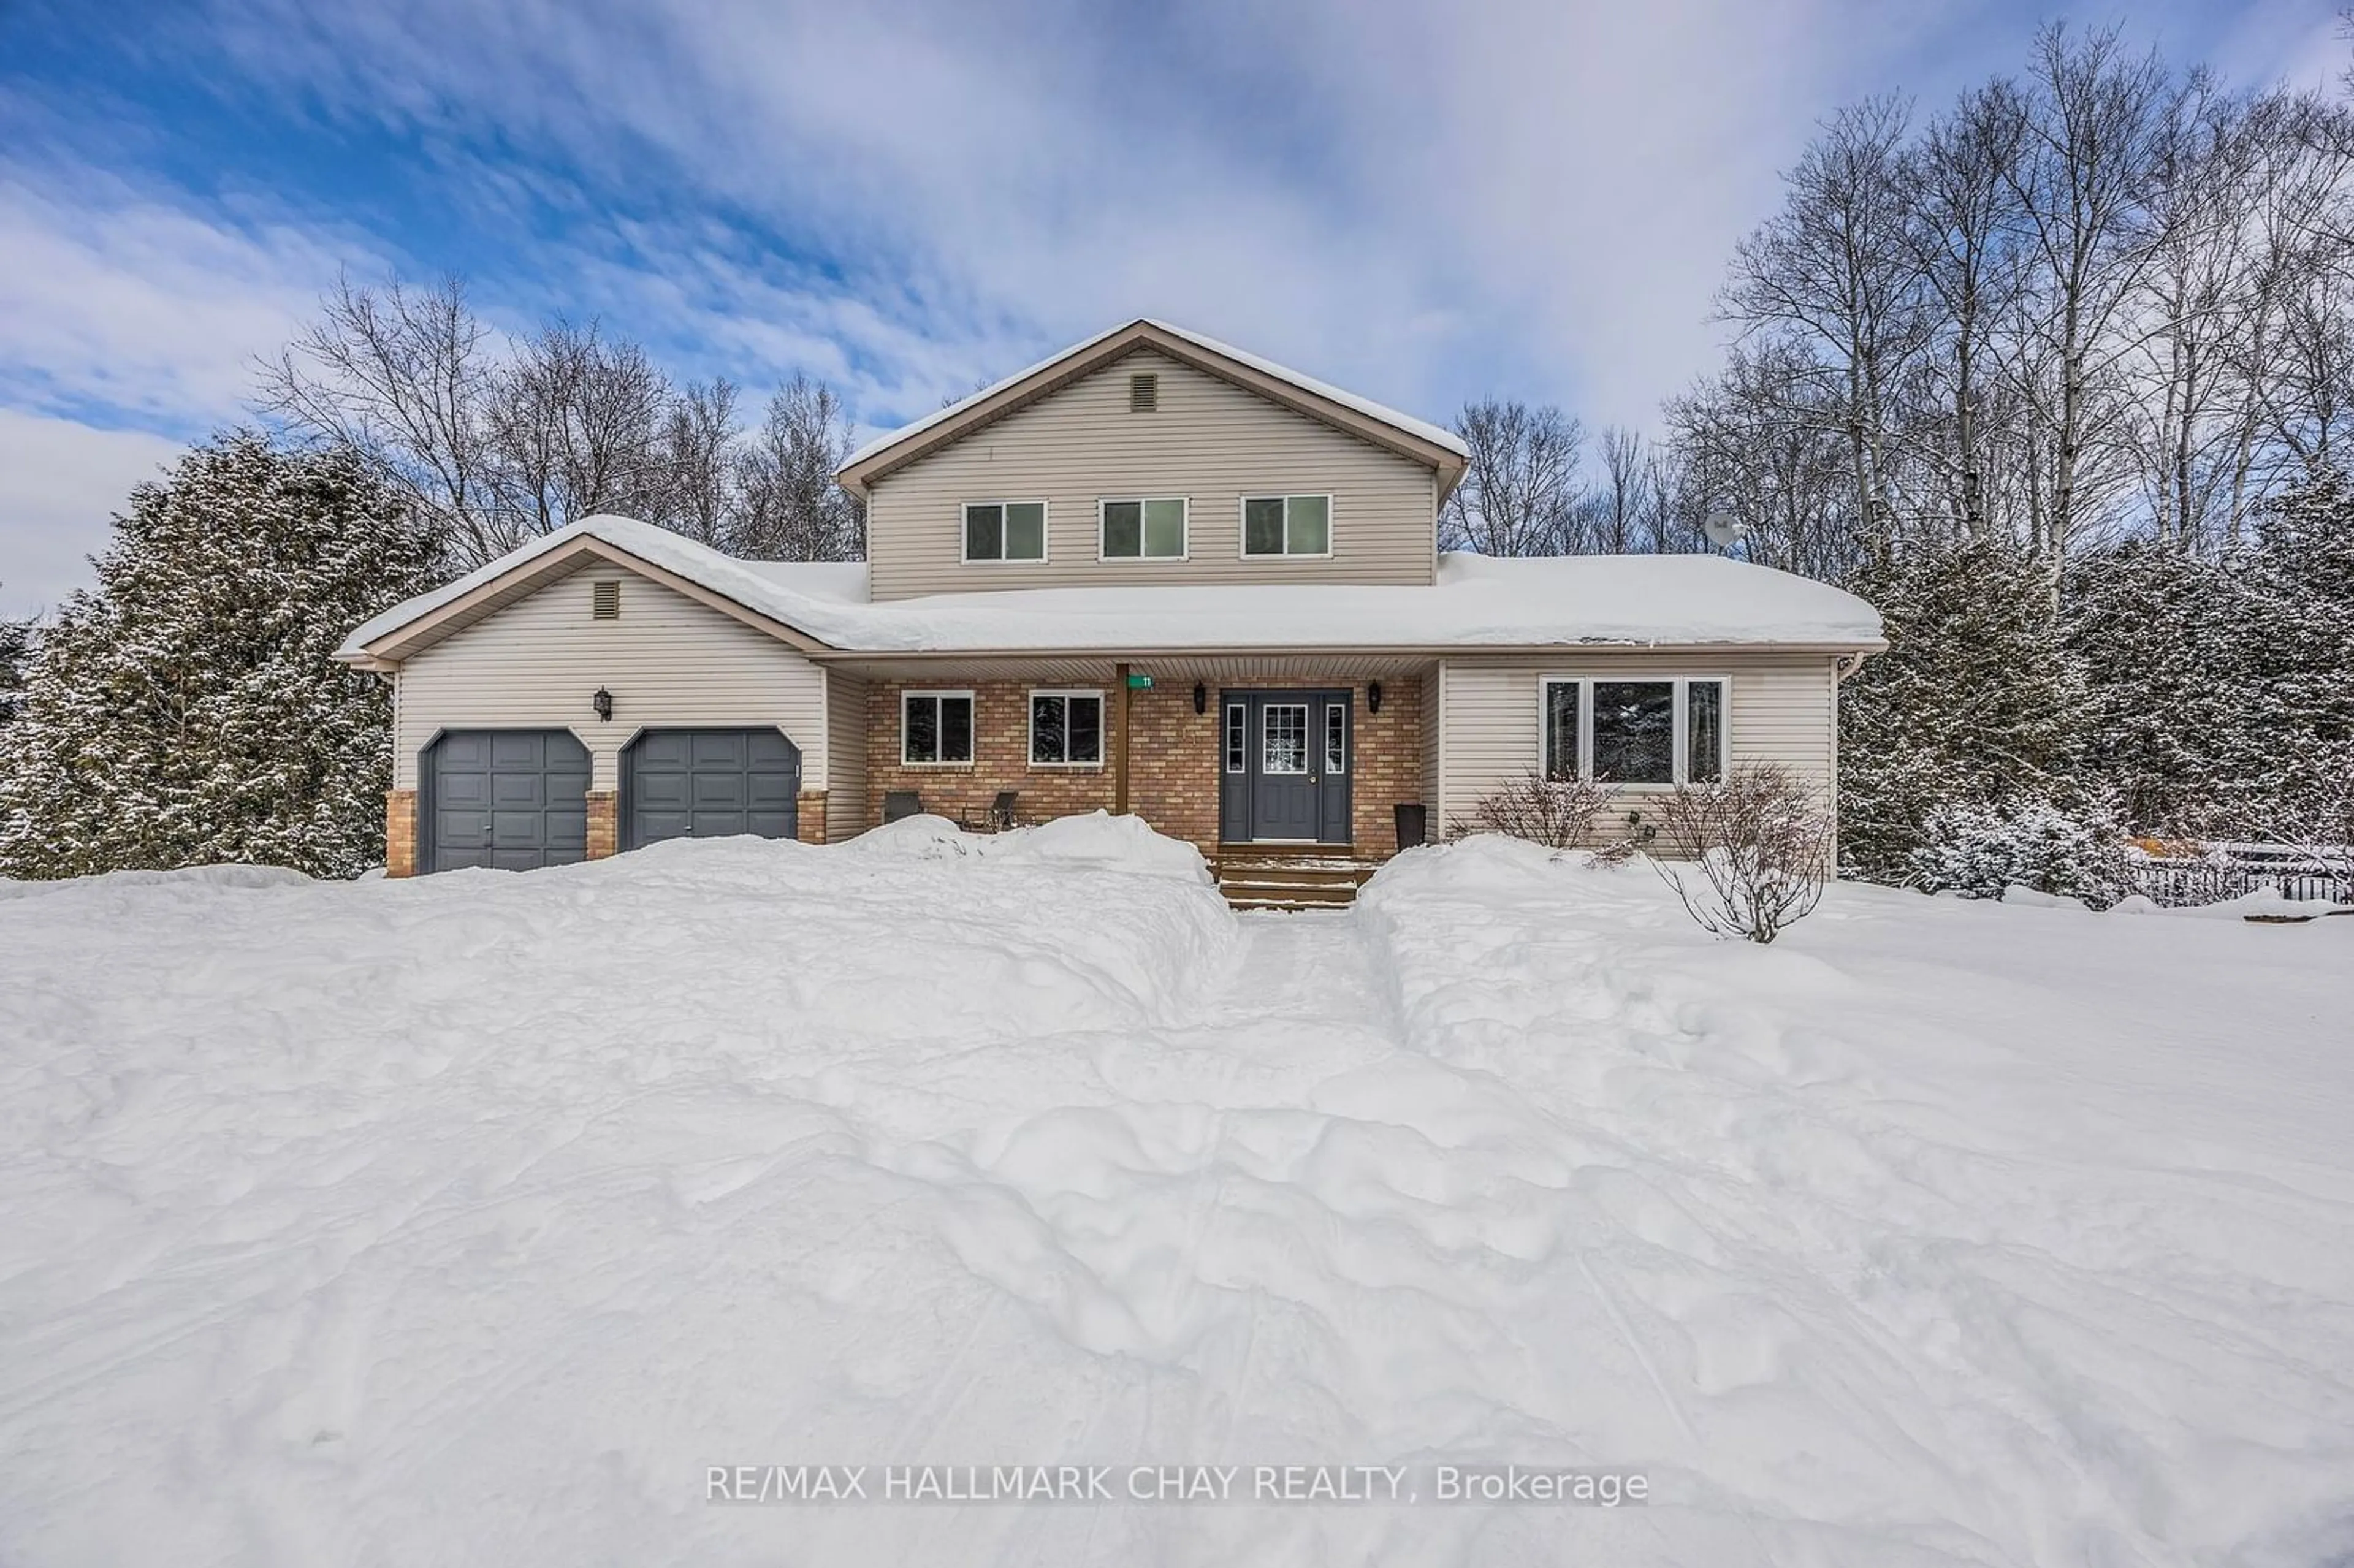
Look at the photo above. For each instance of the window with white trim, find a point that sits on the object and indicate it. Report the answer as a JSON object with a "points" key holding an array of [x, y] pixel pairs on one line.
{"points": [[1004, 530], [1238, 739], [1151, 528], [1286, 524], [1066, 729], [935, 728], [1336, 739], [1658, 731]]}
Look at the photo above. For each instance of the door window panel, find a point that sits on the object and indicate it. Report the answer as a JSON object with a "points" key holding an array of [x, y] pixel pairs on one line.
{"points": [[1283, 737]]}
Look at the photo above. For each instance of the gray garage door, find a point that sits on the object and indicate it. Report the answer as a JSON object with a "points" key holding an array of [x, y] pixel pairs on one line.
{"points": [[710, 783], [512, 799]]}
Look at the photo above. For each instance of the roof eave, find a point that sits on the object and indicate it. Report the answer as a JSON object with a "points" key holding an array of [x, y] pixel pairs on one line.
{"points": [[389, 649], [1348, 650]]}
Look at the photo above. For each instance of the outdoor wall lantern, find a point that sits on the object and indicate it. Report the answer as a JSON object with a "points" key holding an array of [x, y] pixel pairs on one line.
{"points": [[1201, 698], [603, 702], [1374, 697]]}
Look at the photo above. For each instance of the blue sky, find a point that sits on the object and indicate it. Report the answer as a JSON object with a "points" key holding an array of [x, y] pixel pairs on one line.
{"points": [[1423, 203]]}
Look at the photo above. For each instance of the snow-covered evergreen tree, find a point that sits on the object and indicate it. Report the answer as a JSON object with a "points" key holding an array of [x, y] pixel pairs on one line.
{"points": [[2180, 715], [2300, 635], [1976, 703], [16, 652], [188, 710]]}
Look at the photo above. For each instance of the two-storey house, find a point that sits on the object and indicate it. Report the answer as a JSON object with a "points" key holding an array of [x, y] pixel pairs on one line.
{"points": [[1153, 575]]}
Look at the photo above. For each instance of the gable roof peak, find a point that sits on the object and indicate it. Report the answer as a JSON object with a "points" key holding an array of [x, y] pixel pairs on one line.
{"points": [[1439, 448]]}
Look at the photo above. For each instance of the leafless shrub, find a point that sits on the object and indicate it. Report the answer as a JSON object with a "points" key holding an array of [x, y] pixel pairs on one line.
{"points": [[1556, 812], [1761, 844]]}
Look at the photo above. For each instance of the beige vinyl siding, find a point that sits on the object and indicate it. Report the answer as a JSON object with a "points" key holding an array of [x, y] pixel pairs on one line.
{"points": [[1783, 710], [668, 661], [1210, 441], [845, 774], [1434, 749]]}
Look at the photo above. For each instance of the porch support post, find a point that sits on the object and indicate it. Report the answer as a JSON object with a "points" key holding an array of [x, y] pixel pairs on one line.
{"points": [[1120, 757]]}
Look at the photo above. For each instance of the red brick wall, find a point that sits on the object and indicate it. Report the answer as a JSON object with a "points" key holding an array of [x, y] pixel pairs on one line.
{"points": [[1173, 757], [809, 817]]}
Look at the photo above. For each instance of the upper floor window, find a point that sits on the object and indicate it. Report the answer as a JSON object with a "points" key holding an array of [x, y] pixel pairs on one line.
{"points": [[1004, 530], [1635, 732], [1286, 524], [1143, 530]]}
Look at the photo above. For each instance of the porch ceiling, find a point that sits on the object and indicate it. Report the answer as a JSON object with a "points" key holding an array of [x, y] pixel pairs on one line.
{"points": [[1097, 668]]}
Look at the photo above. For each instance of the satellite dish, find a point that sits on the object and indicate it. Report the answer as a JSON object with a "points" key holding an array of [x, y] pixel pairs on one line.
{"points": [[1724, 530]]}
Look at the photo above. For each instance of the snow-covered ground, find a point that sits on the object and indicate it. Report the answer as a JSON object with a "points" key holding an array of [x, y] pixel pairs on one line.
{"points": [[477, 1218]]}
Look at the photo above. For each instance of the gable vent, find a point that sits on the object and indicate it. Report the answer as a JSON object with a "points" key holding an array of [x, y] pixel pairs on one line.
{"points": [[1143, 392], [605, 601]]}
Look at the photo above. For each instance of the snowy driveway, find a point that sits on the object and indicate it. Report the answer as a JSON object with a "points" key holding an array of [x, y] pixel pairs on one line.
{"points": [[473, 1218]]}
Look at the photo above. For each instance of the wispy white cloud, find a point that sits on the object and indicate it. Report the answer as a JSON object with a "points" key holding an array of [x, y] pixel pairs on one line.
{"points": [[153, 310], [61, 483], [907, 197]]}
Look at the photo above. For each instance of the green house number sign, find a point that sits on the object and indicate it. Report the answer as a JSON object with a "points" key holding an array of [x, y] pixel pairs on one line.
{"points": [[1139, 682]]}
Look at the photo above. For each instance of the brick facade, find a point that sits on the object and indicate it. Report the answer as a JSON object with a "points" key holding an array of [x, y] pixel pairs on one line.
{"points": [[400, 833], [604, 824], [809, 817], [1173, 757]]}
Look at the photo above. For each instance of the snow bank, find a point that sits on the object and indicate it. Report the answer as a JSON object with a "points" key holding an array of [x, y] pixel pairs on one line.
{"points": [[474, 1218], [196, 879], [1940, 1231], [1094, 841]]}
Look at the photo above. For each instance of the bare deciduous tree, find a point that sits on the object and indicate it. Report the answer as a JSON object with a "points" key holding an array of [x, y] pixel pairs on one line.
{"points": [[493, 442], [403, 377], [1520, 491], [790, 507]]}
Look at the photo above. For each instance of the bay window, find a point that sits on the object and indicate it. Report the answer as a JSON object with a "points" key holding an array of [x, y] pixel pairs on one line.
{"points": [[1662, 731]]}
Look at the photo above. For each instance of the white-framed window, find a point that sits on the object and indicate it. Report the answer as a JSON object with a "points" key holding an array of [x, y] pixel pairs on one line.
{"points": [[1004, 531], [1066, 729], [1286, 524], [1238, 739], [935, 728], [1658, 730], [1141, 528], [1283, 737], [1336, 739]]}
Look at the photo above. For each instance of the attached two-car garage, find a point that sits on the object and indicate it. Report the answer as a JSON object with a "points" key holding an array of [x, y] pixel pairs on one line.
{"points": [[517, 799]]}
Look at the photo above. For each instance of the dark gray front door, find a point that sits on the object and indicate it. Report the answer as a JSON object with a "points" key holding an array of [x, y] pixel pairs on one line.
{"points": [[709, 784], [513, 799], [1286, 761]]}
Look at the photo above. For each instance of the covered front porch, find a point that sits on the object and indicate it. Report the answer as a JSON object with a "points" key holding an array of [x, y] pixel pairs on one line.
{"points": [[1302, 761]]}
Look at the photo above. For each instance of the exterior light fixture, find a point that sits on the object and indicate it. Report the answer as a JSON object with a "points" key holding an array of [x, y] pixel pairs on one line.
{"points": [[1374, 697], [1201, 698], [603, 702]]}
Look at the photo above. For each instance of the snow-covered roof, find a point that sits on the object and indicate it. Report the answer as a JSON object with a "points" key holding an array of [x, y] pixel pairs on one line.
{"points": [[1421, 429], [1478, 602]]}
